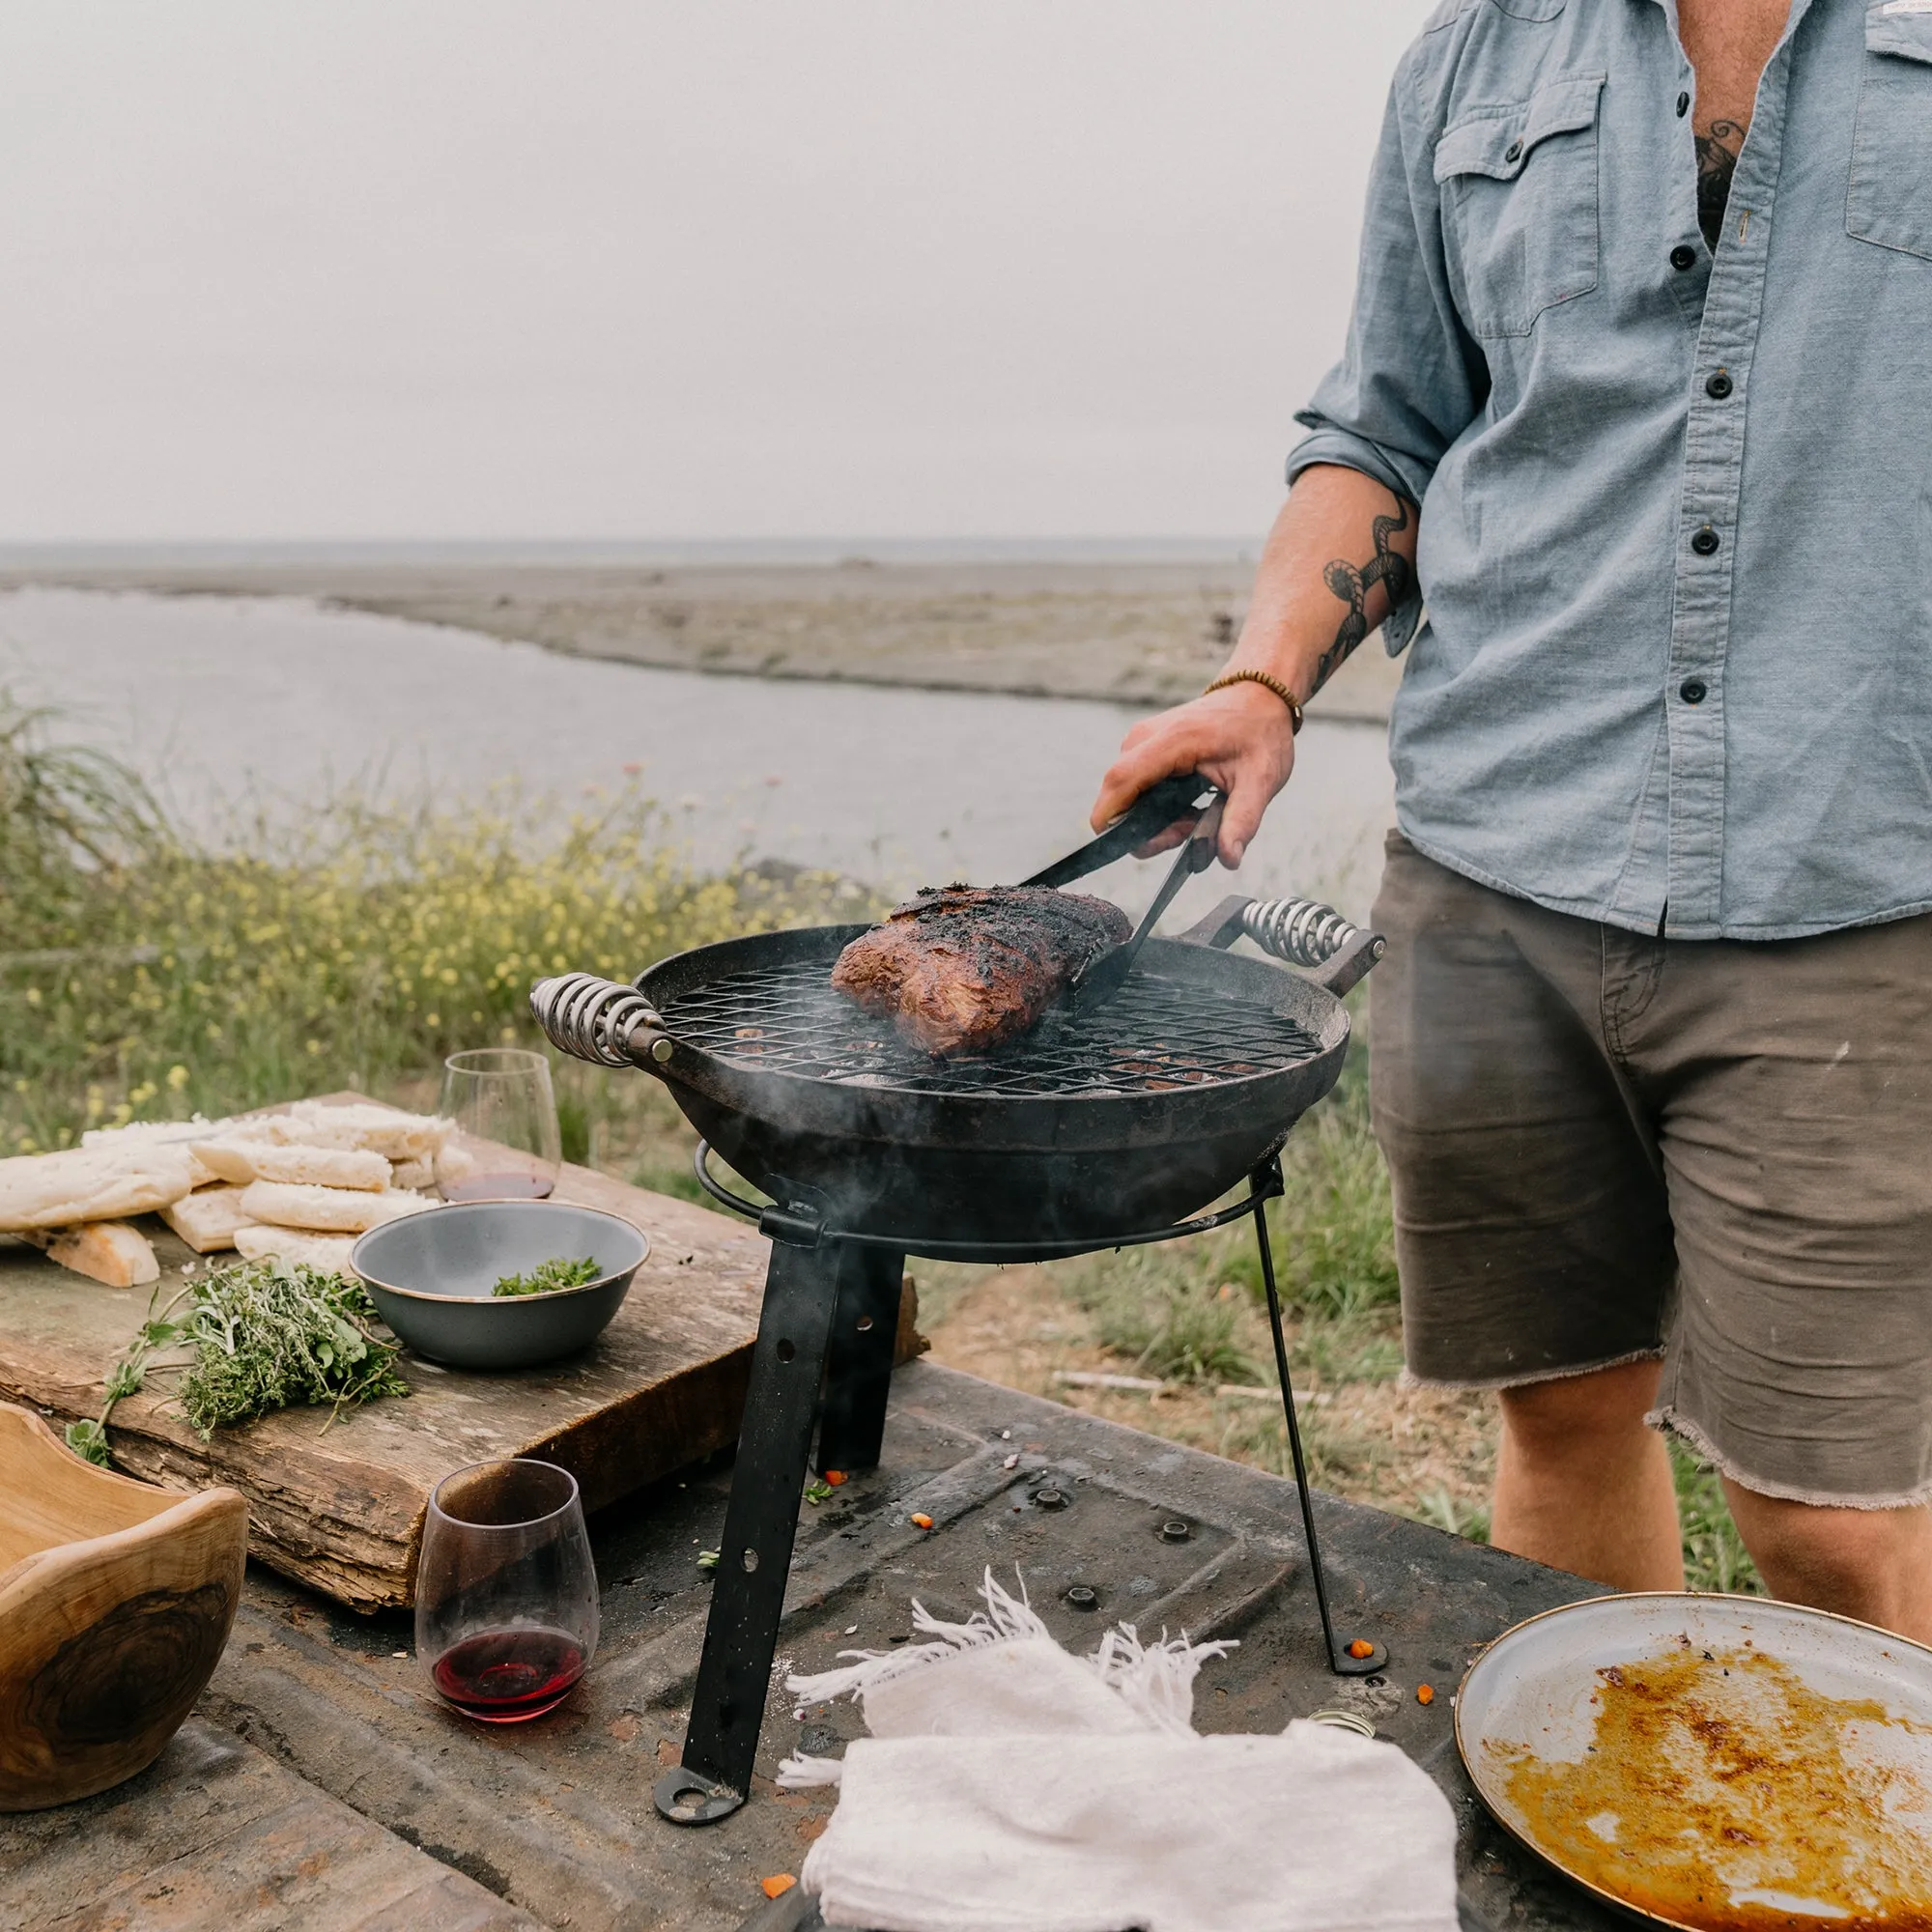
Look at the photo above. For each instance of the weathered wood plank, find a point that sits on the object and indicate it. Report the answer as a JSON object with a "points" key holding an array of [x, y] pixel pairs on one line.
{"points": [[219, 1837], [340, 1507]]}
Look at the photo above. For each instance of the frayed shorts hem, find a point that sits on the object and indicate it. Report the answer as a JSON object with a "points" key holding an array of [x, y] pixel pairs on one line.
{"points": [[1497, 1384], [1669, 1420]]}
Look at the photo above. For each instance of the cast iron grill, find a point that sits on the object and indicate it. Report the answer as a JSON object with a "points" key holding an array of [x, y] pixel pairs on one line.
{"points": [[1102, 1122], [1103, 1127], [1159, 1034]]}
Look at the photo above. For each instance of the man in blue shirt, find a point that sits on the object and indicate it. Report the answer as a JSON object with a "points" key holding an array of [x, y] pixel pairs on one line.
{"points": [[1637, 397]]}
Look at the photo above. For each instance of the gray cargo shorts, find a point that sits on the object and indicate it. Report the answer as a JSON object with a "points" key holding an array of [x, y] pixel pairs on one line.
{"points": [[1607, 1146]]}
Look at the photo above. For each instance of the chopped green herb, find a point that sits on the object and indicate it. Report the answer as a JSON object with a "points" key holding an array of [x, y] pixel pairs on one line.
{"points": [[248, 1339], [818, 1494], [707, 1559], [548, 1277]]}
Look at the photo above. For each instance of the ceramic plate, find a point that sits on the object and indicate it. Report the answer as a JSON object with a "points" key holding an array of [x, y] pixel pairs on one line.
{"points": [[1722, 1764]]}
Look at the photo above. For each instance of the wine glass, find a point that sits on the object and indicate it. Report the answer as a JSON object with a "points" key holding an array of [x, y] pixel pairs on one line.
{"points": [[506, 1593], [506, 1146]]}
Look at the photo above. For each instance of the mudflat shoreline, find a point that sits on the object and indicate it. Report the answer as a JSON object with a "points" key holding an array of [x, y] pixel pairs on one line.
{"points": [[1145, 634]]}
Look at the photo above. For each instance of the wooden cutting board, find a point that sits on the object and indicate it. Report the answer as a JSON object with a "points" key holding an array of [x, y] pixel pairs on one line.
{"points": [[341, 1508]]}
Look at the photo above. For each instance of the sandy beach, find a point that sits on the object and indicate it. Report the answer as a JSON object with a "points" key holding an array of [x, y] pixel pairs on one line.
{"points": [[1135, 633]]}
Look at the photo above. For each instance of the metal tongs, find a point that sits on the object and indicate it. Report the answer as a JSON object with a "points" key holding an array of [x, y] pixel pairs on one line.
{"points": [[1160, 806]]}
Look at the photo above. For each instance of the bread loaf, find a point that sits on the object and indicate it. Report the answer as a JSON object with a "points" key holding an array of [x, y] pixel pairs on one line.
{"points": [[155, 1133], [96, 1183], [109, 1252], [207, 1220], [231, 1159], [384, 1130], [322, 1167], [335, 1210], [329, 1253]]}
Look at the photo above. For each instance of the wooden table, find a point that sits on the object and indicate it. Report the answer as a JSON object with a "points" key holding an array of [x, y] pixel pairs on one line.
{"points": [[555, 1818], [340, 1508], [218, 1835]]}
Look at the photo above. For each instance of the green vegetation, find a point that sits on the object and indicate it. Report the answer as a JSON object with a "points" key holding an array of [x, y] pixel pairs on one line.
{"points": [[1450, 1513], [145, 977], [1715, 1557], [1192, 1311], [256, 1337], [548, 1277], [66, 813]]}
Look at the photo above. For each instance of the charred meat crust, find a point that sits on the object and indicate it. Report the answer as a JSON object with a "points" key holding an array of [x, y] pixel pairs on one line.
{"points": [[959, 969]]}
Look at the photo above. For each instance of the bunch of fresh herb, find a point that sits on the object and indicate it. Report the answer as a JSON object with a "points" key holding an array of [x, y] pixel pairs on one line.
{"points": [[547, 1277], [251, 1338]]}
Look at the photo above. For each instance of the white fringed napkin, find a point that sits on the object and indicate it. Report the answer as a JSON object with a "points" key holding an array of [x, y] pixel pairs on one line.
{"points": [[1009, 1787]]}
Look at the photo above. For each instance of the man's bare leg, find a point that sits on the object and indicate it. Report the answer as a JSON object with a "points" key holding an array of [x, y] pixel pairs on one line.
{"points": [[1875, 1565], [1583, 1485]]}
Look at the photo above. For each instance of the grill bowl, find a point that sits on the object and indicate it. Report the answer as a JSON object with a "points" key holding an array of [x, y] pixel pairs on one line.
{"points": [[1212, 1056]]}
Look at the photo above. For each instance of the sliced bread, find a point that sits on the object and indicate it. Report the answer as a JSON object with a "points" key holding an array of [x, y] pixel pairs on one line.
{"points": [[377, 1129], [231, 1158], [335, 1210], [328, 1253], [155, 1133], [96, 1183], [110, 1252], [322, 1167], [207, 1220]]}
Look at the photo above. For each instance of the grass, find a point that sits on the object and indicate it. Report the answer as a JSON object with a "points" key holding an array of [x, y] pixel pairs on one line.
{"points": [[1715, 1557], [143, 976], [1192, 1311], [1447, 1510]]}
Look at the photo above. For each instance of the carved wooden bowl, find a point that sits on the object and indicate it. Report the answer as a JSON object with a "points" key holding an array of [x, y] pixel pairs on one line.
{"points": [[115, 1600]]}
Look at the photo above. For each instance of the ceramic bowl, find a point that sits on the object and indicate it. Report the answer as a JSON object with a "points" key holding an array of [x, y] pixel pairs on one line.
{"points": [[430, 1277]]}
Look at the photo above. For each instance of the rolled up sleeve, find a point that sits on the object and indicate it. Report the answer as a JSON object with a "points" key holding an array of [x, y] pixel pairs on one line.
{"points": [[1411, 378]]}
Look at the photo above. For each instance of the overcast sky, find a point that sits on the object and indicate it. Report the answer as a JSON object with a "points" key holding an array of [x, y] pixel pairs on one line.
{"points": [[626, 269]]}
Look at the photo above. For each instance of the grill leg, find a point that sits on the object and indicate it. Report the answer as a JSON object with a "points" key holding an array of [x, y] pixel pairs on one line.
{"points": [[1339, 1659], [761, 1523], [859, 1364]]}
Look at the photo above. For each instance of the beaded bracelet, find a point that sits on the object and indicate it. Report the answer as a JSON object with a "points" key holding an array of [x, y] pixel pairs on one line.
{"points": [[1267, 682]]}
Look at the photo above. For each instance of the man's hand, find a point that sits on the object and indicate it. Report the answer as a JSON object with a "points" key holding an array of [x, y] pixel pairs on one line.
{"points": [[1340, 555], [1240, 739]]}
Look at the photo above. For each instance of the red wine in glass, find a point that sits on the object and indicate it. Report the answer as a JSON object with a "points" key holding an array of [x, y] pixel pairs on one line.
{"points": [[504, 1676], [499, 1187]]}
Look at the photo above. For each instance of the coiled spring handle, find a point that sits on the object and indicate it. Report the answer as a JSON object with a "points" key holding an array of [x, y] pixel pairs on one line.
{"points": [[1299, 932], [600, 1021], [1303, 932]]}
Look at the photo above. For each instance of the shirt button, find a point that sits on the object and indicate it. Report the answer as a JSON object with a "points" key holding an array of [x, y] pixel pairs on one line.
{"points": [[1514, 152], [1692, 691], [1705, 544], [1718, 386], [1682, 258], [1683, 105]]}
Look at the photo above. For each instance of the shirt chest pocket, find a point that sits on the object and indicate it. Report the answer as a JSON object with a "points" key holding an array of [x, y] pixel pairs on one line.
{"points": [[1520, 204], [1890, 197]]}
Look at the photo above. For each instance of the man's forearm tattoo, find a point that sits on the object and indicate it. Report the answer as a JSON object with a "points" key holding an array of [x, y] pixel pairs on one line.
{"points": [[1718, 153], [1387, 567]]}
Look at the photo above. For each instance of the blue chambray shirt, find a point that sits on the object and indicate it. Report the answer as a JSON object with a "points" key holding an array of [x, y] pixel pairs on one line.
{"points": [[1676, 535]]}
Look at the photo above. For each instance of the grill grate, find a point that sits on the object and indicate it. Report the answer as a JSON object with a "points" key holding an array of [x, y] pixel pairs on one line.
{"points": [[1157, 1036]]}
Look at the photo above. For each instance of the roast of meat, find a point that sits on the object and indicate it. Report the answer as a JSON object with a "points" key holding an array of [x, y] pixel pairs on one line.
{"points": [[958, 969]]}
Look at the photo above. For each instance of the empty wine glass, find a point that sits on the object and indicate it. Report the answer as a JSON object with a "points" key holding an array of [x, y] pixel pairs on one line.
{"points": [[506, 1592], [506, 1146]]}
